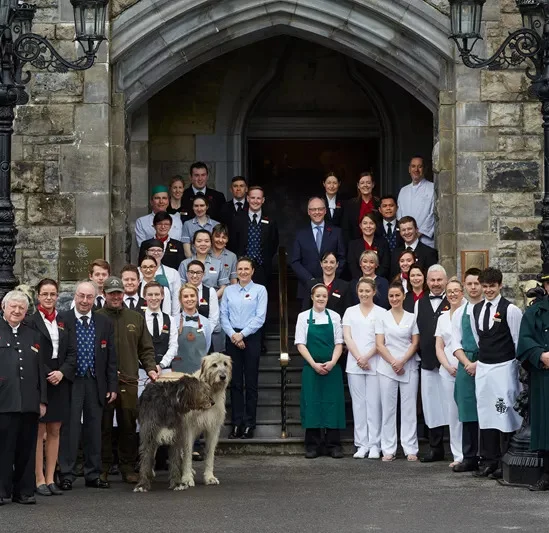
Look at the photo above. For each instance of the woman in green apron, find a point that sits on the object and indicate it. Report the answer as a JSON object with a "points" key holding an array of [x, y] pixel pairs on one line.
{"points": [[319, 340]]}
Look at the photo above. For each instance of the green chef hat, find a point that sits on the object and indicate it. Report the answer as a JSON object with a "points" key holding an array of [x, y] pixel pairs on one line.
{"points": [[158, 188]]}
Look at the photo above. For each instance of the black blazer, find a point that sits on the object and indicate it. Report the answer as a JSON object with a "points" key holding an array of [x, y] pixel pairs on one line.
{"points": [[106, 373], [380, 230], [337, 219], [66, 355], [339, 298], [269, 237], [173, 256], [19, 395], [227, 213], [356, 247], [349, 223], [140, 304], [381, 297], [215, 199], [426, 257]]}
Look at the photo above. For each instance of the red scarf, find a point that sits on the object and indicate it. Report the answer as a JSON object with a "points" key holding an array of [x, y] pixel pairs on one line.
{"points": [[369, 246], [329, 287], [404, 275], [162, 239], [50, 317], [417, 296], [365, 208]]}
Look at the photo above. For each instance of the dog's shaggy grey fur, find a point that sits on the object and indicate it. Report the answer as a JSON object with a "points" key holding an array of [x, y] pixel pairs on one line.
{"points": [[161, 409]]}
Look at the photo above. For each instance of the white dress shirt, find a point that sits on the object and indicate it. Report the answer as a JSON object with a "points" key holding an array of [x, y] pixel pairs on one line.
{"points": [[252, 213], [393, 225], [331, 204], [418, 201], [135, 301], [172, 346], [53, 330], [144, 228], [302, 327]]}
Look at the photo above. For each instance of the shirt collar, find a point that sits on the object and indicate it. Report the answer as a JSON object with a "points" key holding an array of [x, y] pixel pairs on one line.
{"points": [[203, 191], [418, 184], [235, 202], [392, 221], [208, 219], [321, 225], [248, 287], [80, 315], [134, 296], [148, 312], [251, 214], [494, 302], [413, 246]]}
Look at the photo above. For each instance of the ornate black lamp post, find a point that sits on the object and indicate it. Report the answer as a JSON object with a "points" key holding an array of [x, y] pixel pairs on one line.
{"points": [[529, 44], [19, 47]]}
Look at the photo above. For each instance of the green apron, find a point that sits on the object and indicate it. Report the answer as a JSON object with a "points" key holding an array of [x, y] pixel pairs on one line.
{"points": [[322, 397], [191, 348], [464, 390], [162, 278]]}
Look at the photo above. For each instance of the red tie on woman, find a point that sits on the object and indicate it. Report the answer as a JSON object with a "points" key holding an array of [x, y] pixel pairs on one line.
{"points": [[418, 296], [162, 239], [50, 317]]}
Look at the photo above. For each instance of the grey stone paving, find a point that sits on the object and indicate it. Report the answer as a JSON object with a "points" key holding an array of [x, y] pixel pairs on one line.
{"points": [[275, 494]]}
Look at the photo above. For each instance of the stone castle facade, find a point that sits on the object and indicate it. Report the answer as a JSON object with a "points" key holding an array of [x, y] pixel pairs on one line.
{"points": [[177, 83]]}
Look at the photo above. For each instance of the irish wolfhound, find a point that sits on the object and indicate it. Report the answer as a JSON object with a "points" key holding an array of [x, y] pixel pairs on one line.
{"points": [[215, 370], [161, 409]]}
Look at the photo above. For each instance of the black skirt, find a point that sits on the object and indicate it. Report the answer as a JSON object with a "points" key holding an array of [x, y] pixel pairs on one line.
{"points": [[58, 402]]}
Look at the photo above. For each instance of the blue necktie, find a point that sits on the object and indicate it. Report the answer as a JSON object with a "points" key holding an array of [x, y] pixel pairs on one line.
{"points": [[318, 238]]}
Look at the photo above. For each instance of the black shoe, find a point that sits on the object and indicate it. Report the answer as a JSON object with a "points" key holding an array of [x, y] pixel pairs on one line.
{"points": [[66, 484], [466, 466], [114, 470], [54, 489], [98, 484], [311, 454], [432, 457], [24, 500], [540, 485], [43, 490], [236, 432], [197, 456], [248, 433], [485, 471], [337, 453], [496, 474]]}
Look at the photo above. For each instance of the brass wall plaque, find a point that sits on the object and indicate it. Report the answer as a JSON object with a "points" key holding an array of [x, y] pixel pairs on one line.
{"points": [[76, 253], [474, 259]]}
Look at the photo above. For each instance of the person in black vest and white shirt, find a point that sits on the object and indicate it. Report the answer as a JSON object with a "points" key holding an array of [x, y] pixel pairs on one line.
{"points": [[496, 324], [208, 304], [130, 279], [427, 310]]}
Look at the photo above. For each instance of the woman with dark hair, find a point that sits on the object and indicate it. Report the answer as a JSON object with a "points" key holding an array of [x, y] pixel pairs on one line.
{"points": [[148, 269], [417, 285], [201, 220], [405, 260], [176, 189], [338, 290], [332, 199], [356, 208], [369, 241], [58, 349], [368, 264]]}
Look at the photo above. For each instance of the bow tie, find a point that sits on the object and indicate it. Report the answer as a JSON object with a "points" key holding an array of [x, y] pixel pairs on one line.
{"points": [[191, 319], [433, 297]]}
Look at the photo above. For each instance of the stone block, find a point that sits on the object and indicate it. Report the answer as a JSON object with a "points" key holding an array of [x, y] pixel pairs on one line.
{"points": [[446, 150], [36, 269], [473, 213], [20, 217], [96, 84], [529, 256], [117, 126], [93, 213], [445, 182], [84, 168], [471, 114], [56, 210], [446, 117], [40, 152], [445, 211], [45, 30], [51, 177], [505, 115], [16, 147], [512, 144], [533, 121], [27, 176], [64, 31], [19, 200], [538, 203], [513, 204], [177, 148], [511, 176], [91, 123], [505, 264], [468, 173], [118, 6], [507, 249], [45, 120], [507, 86], [518, 229], [476, 139], [38, 238], [57, 87], [46, 15], [467, 83]]}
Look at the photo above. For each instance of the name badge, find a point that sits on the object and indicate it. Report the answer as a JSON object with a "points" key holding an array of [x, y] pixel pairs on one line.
{"points": [[172, 250], [405, 326], [200, 330], [264, 221], [336, 295]]}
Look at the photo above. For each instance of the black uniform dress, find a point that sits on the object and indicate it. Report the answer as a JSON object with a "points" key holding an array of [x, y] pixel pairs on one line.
{"points": [[22, 390], [58, 395]]}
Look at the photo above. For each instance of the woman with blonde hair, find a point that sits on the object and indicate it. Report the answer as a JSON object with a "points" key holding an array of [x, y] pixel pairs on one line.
{"points": [[369, 262]]}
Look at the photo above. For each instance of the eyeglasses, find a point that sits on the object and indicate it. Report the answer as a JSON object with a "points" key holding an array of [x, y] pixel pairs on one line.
{"points": [[163, 224], [87, 297], [148, 267], [455, 292], [48, 294], [316, 209], [195, 272], [154, 252]]}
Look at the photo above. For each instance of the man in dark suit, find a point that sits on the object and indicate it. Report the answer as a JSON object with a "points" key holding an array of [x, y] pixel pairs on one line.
{"points": [[130, 279], [426, 256], [174, 253], [95, 384], [311, 243], [199, 179], [256, 236], [23, 399], [388, 225], [238, 204]]}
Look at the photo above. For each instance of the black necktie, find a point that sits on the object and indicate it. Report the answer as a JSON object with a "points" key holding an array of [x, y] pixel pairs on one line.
{"points": [[191, 319], [255, 219], [486, 320], [156, 329], [132, 305], [433, 297], [389, 230], [409, 249], [239, 207], [99, 301], [85, 321]]}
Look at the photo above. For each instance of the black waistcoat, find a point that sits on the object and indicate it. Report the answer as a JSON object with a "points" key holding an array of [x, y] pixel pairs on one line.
{"points": [[204, 303], [162, 343], [427, 324], [495, 345]]}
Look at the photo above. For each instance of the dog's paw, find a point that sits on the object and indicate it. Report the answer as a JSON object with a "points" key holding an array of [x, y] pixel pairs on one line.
{"points": [[187, 481], [140, 489], [181, 487], [211, 480]]}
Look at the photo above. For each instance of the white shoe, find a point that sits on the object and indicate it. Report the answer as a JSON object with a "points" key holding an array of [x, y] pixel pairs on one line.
{"points": [[361, 453], [374, 453]]}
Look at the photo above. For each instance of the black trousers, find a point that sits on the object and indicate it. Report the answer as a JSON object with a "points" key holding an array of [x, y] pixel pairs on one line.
{"points": [[322, 440], [18, 432], [469, 442], [493, 446], [244, 380], [436, 440], [84, 403]]}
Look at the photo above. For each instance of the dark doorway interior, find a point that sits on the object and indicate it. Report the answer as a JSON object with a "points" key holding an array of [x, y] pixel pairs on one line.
{"points": [[291, 170]]}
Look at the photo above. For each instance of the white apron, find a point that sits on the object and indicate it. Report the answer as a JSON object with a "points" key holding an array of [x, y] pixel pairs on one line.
{"points": [[433, 399], [497, 388]]}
